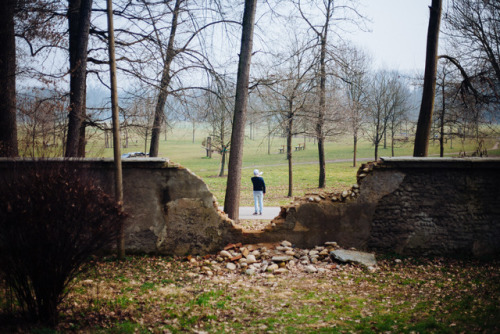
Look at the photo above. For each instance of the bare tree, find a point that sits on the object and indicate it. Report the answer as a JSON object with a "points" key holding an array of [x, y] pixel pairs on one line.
{"points": [[387, 104], [473, 31], [219, 117], [8, 126], [354, 73], [42, 122], [118, 177], [288, 94], [320, 17], [429, 92], [232, 199]]}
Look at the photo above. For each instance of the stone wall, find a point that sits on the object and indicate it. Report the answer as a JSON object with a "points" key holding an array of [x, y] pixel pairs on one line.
{"points": [[409, 206], [414, 206], [171, 210]]}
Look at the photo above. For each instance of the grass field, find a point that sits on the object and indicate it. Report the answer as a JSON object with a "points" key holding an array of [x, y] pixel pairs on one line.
{"points": [[340, 174]]}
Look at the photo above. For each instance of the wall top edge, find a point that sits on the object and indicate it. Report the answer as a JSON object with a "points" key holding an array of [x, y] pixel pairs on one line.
{"points": [[436, 162], [126, 163]]}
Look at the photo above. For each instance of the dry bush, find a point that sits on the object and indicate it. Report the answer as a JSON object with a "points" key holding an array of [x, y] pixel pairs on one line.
{"points": [[52, 220]]}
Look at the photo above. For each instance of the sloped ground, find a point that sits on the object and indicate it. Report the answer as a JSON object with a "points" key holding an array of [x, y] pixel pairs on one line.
{"points": [[201, 295]]}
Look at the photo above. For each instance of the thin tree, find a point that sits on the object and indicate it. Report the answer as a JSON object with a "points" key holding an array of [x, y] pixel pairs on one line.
{"points": [[429, 92], [353, 73], [326, 12], [116, 127], [8, 125], [166, 77], [233, 187]]}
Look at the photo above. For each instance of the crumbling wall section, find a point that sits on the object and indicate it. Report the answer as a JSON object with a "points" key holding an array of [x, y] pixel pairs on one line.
{"points": [[414, 206], [171, 210]]}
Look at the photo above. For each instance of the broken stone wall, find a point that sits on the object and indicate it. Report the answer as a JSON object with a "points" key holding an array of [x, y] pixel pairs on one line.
{"points": [[171, 210], [410, 206], [413, 206]]}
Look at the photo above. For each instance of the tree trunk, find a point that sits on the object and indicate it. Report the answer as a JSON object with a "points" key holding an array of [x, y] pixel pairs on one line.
{"points": [[194, 129], [441, 125], [429, 92], [289, 152], [321, 115], [116, 127], [164, 83], [392, 143], [223, 161], [8, 125], [232, 199], [79, 12], [355, 150]]}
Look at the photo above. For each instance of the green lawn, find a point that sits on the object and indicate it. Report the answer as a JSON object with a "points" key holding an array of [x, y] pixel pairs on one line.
{"points": [[180, 148]]}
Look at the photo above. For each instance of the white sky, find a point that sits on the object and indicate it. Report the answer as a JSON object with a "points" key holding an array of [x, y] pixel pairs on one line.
{"points": [[399, 33]]}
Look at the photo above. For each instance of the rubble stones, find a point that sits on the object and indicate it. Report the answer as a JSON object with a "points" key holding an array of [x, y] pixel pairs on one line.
{"points": [[272, 260]]}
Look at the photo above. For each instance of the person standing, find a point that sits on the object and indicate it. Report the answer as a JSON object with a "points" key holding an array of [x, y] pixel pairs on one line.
{"points": [[259, 190]]}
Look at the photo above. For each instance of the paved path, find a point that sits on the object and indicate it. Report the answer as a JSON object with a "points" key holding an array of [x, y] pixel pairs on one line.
{"points": [[246, 212]]}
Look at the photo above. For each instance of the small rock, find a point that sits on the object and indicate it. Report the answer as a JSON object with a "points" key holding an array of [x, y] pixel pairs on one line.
{"points": [[231, 266], [272, 267], [286, 243], [324, 252], [251, 259], [310, 199], [398, 261], [361, 175], [250, 271], [290, 252], [256, 253], [225, 253], [313, 252], [334, 198], [282, 258], [311, 269], [282, 264], [331, 243], [355, 186]]}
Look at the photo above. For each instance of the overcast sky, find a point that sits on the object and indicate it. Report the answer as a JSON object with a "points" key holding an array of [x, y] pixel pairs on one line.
{"points": [[399, 32]]}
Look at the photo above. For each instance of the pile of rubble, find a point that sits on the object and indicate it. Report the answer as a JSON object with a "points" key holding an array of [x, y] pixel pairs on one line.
{"points": [[282, 258]]}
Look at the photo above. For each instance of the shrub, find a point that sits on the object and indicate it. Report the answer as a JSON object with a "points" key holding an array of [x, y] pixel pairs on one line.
{"points": [[53, 218]]}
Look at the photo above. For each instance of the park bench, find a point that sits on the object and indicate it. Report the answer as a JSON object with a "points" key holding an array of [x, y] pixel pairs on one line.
{"points": [[300, 147]]}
